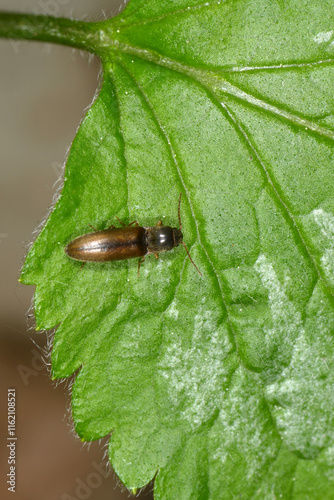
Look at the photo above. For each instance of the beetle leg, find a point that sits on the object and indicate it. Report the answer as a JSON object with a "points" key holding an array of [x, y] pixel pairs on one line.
{"points": [[140, 261], [159, 223], [156, 255], [119, 220], [123, 223], [112, 227], [92, 227]]}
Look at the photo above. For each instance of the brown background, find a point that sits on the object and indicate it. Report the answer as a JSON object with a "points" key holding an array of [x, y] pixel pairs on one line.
{"points": [[44, 90]]}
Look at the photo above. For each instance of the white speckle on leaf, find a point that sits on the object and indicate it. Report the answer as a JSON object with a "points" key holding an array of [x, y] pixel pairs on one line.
{"points": [[325, 221], [172, 311], [327, 260], [244, 429], [323, 36], [287, 322], [196, 374], [302, 398], [303, 404]]}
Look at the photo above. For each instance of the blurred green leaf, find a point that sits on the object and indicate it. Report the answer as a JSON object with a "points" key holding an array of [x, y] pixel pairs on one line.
{"points": [[219, 387]]}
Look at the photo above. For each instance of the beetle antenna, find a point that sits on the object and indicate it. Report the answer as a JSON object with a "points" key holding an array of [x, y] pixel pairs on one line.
{"points": [[183, 243], [193, 263], [179, 211]]}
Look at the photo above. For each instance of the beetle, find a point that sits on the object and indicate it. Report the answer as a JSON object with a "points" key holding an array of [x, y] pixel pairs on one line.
{"points": [[127, 242]]}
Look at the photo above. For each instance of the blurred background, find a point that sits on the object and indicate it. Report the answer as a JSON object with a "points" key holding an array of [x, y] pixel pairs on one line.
{"points": [[44, 90]]}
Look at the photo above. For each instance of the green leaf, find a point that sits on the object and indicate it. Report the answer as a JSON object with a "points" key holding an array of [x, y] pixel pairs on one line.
{"points": [[222, 386]]}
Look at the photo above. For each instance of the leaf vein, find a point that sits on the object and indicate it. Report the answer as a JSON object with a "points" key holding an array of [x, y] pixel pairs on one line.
{"points": [[244, 69], [213, 81], [271, 183]]}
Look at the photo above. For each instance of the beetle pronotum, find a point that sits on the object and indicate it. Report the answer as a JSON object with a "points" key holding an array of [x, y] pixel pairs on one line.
{"points": [[127, 242]]}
